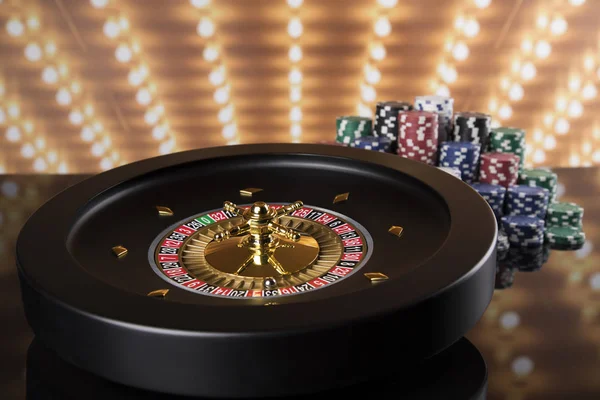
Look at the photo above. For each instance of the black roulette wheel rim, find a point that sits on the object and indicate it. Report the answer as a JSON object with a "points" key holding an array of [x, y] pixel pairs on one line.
{"points": [[439, 309]]}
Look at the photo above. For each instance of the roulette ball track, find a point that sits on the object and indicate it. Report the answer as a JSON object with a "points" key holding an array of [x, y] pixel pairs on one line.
{"points": [[257, 270]]}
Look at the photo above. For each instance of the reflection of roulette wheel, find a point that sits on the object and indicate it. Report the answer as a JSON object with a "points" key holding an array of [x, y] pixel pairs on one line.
{"points": [[137, 276]]}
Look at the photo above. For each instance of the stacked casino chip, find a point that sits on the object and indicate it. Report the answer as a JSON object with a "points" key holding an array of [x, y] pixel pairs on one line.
{"points": [[565, 214], [381, 144], [565, 237], [528, 259], [494, 195], [461, 155], [417, 138], [526, 200], [472, 127], [350, 128], [502, 242], [444, 107], [508, 140], [523, 231], [540, 177], [499, 169], [386, 120]]}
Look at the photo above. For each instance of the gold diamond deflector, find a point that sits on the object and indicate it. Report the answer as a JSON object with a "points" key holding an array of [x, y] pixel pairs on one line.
{"points": [[158, 293], [376, 276], [248, 192], [164, 211], [340, 198], [119, 251], [396, 230]]}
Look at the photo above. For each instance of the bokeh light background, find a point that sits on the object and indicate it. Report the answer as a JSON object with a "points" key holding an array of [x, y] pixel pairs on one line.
{"points": [[86, 85]]}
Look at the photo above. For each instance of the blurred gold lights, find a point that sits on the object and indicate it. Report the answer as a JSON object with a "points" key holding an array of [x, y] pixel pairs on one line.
{"points": [[294, 31], [207, 30], [55, 72]]}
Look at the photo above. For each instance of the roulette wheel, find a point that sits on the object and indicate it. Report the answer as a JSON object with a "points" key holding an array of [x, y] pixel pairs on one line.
{"points": [[257, 270]]}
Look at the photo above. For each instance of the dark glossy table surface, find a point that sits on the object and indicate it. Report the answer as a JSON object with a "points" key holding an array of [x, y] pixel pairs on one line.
{"points": [[540, 336]]}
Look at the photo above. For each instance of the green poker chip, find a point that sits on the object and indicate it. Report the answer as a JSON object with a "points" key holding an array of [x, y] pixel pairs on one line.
{"points": [[565, 214], [350, 128], [508, 140], [540, 177], [565, 236]]}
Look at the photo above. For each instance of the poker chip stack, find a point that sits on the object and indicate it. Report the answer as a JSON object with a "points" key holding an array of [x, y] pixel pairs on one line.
{"points": [[499, 169], [540, 177], [381, 144], [417, 136], [508, 140], [527, 259], [523, 231], [461, 155], [527, 200], [350, 128], [386, 120], [565, 237], [494, 195], [565, 214], [455, 172], [472, 127], [444, 107], [502, 242]]}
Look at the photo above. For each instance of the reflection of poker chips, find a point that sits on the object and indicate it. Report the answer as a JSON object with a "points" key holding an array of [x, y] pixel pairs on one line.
{"points": [[523, 231], [527, 259], [499, 169], [508, 140], [493, 194], [540, 177], [381, 144], [527, 200], [444, 107], [565, 214], [565, 236], [417, 137], [386, 120], [502, 243], [461, 155], [352, 127], [505, 276], [452, 171], [472, 127]]}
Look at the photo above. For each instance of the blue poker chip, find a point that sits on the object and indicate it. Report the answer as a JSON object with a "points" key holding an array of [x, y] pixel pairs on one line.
{"points": [[493, 194], [376, 143], [527, 200], [461, 155], [523, 231]]}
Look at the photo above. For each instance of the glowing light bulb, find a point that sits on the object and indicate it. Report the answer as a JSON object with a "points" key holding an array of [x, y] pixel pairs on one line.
{"points": [[368, 93], [229, 131], [87, 134], [382, 27], [97, 149], [295, 114], [221, 95], [295, 130], [217, 76], [159, 132], [516, 92], [471, 28], [33, 23], [50, 49], [562, 126], [526, 46], [151, 117], [111, 28], [62, 168], [143, 96], [575, 109], [574, 160], [97, 127], [558, 26], [539, 156], [542, 49], [166, 147], [561, 104], [372, 75], [538, 135], [76, 117], [459, 23], [106, 164], [442, 90], [210, 53], [13, 134], [63, 97], [522, 366], [75, 87], [364, 110], [40, 165], [295, 28], [449, 74], [528, 71], [378, 52], [542, 21], [586, 147], [295, 53], [63, 70], [14, 27], [40, 143], [493, 105], [505, 112], [99, 3], [460, 51], [387, 3], [52, 157], [50, 75], [33, 52], [200, 3], [123, 53], [596, 156], [135, 77], [295, 3], [549, 142], [295, 94], [27, 150], [589, 63], [295, 76], [482, 3], [576, 3], [206, 27], [589, 91], [13, 110], [226, 114], [510, 320]]}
